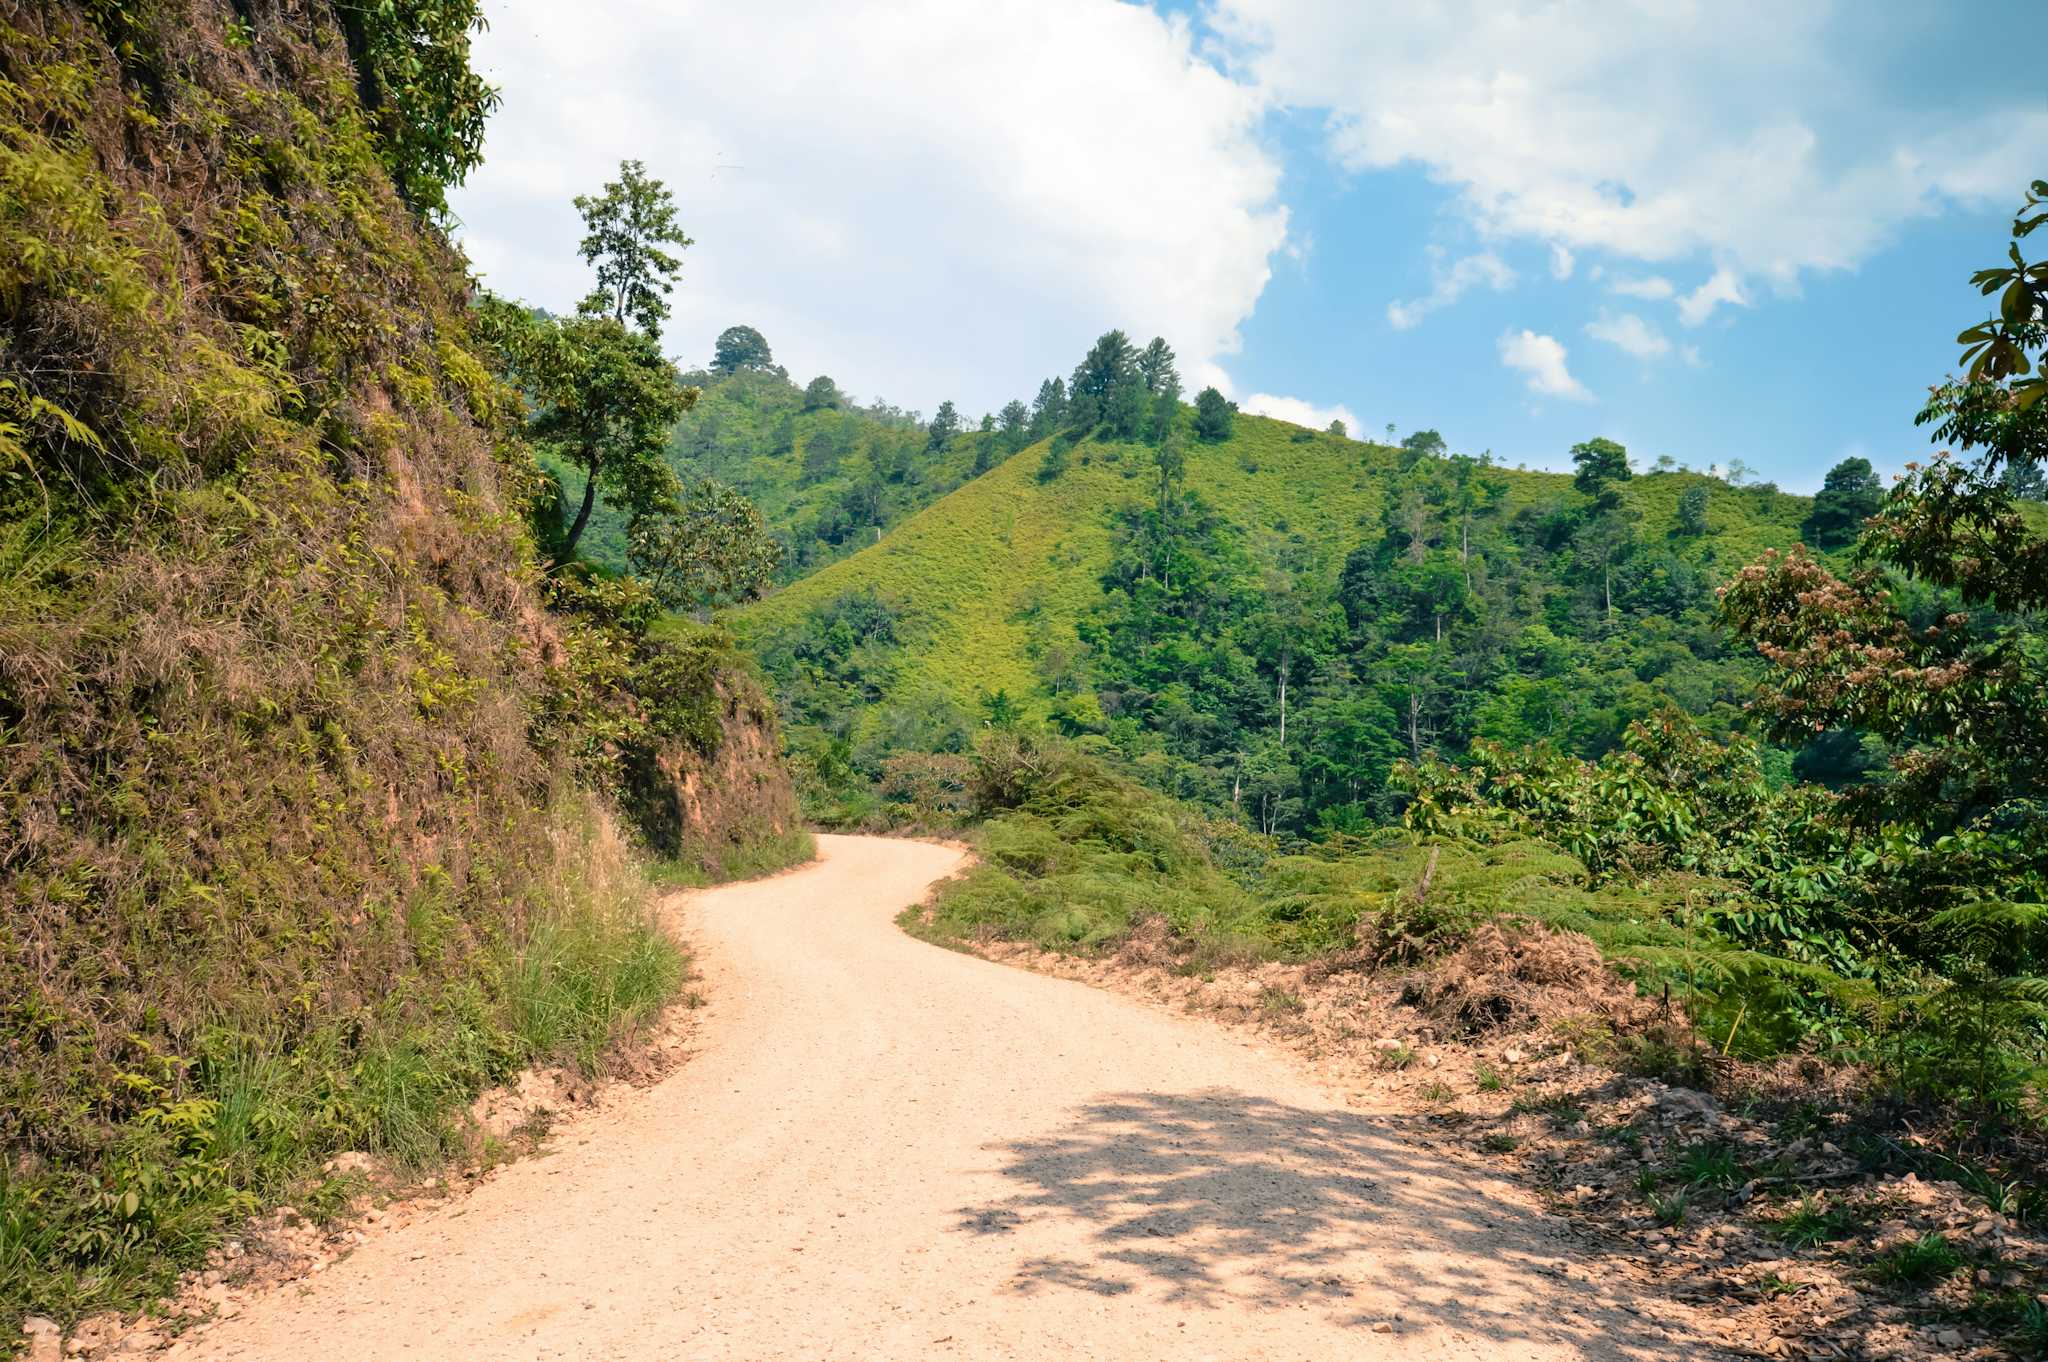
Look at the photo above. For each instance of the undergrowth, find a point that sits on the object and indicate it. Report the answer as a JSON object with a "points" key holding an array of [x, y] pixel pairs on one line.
{"points": [[253, 1120], [291, 719]]}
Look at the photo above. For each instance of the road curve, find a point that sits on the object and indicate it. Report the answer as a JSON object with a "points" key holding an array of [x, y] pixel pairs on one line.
{"points": [[886, 1151]]}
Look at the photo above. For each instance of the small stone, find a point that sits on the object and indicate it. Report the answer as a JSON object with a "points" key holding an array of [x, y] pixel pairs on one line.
{"points": [[1511, 1055], [45, 1339], [354, 1161], [1950, 1338], [1382, 1327]]}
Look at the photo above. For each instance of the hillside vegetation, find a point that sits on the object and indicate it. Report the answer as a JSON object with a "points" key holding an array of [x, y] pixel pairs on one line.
{"points": [[1037, 591], [308, 774], [829, 476]]}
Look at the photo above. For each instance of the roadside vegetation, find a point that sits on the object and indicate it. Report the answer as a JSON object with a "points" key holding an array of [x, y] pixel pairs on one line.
{"points": [[326, 765], [1828, 905]]}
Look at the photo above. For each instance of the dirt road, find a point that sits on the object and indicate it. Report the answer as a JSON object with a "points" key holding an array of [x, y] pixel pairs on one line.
{"points": [[890, 1151]]}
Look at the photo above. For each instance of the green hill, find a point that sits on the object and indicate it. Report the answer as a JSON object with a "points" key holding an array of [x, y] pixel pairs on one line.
{"points": [[828, 476], [1030, 592]]}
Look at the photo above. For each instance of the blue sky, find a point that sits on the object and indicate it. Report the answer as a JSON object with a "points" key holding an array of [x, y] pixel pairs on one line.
{"points": [[1717, 231]]}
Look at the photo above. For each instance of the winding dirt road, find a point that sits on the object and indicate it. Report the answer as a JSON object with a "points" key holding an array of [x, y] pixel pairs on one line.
{"points": [[889, 1151]]}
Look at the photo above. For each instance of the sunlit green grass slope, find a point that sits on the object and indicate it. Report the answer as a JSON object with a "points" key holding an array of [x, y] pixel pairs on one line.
{"points": [[1001, 569]]}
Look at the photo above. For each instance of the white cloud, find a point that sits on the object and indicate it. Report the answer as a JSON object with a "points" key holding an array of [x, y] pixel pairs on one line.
{"points": [[1560, 262], [1733, 132], [1721, 287], [1541, 362], [1655, 287], [1301, 413], [1631, 334], [926, 200], [1472, 271]]}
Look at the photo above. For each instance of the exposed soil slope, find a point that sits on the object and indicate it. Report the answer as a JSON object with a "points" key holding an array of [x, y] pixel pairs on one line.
{"points": [[890, 1150]]}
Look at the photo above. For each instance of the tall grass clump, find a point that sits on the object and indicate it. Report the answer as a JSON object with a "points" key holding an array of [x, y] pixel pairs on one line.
{"points": [[595, 964]]}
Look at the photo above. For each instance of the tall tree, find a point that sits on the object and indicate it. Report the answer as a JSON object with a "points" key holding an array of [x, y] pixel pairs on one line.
{"points": [[1155, 362], [1049, 411], [1214, 416], [945, 425], [1850, 495], [1692, 510], [1014, 425], [626, 231], [740, 347], [821, 394], [602, 395], [1599, 464]]}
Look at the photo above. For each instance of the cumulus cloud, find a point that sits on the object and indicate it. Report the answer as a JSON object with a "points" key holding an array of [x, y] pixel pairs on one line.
{"points": [[1473, 271], [1301, 413], [1721, 287], [927, 200], [1733, 132], [1540, 360], [1631, 334], [1560, 262]]}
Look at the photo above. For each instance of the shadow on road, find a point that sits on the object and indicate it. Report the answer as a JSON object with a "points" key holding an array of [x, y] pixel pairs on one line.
{"points": [[1218, 1198]]}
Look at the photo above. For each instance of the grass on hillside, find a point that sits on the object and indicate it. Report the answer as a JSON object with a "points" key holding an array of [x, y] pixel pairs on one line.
{"points": [[1000, 571], [258, 1121]]}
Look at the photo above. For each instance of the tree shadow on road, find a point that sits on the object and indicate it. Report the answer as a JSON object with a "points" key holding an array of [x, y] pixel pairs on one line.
{"points": [[1218, 1198]]}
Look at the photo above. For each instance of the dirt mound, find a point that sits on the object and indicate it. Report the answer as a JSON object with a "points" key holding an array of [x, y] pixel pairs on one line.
{"points": [[1515, 975]]}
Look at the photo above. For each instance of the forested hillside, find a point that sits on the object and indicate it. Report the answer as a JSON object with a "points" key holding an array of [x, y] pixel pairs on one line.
{"points": [[1267, 620], [829, 475]]}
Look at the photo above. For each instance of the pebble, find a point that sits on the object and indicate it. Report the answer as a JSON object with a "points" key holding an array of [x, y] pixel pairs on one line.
{"points": [[45, 1339], [1950, 1338]]}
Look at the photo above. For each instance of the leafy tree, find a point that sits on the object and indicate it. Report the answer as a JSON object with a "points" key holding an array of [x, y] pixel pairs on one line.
{"points": [[1049, 411], [601, 395], [1692, 510], [1961, 702], [1214, 416], [1850, 495], [626, 231], [1108, 388], [945, 425], [1337, 429], [702, 549], [425, 105], [1014, 426], [1109, 362], [2005, 351], [821, 394], [1422, 444], [738, 348], [821, 454], [1599, 464], [988, 423], [1156, 363], [1127, 412]]}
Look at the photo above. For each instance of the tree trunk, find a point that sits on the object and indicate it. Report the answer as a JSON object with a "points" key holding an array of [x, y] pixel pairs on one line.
{"points": [[1283, 703], [582, 516]]}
